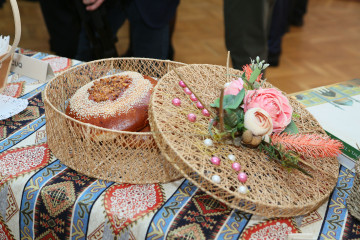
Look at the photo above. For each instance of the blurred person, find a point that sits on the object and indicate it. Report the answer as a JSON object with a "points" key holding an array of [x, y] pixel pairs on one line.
{"points": [[149, 26], [298, 11], [285, 13], [279, 26], [171, 51], [149, 21], [63, 24], [247, 25]]}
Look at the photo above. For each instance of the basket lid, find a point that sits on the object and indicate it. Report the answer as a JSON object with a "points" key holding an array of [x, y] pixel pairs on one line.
{"points": [[272, 190]]}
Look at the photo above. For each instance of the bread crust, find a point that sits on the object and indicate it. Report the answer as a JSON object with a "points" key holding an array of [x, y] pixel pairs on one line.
{"points": [[126, 113]]}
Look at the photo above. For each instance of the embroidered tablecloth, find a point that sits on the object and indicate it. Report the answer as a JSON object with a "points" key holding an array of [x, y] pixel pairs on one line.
{"points": [[41, 198]]}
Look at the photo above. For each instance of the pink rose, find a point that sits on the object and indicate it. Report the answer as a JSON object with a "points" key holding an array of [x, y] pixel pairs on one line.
{"points": [[272, 101], [234, 87]]}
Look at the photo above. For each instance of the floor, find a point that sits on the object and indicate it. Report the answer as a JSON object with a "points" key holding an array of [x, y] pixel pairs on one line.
{"points": [[325, 50]]}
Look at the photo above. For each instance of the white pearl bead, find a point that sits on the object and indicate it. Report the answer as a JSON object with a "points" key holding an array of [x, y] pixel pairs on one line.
{"points": [[216, 179], [208, 142], [242, 189], [227, 84], [231, 157]]}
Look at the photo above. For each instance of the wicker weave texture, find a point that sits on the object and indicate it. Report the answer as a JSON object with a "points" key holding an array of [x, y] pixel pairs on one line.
{"points": [[118, 156], [4, 72], [353, 202], [274, 191]]}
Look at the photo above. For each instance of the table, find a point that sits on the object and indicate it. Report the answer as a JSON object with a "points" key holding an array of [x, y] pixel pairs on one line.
{"points": [[41, 198]]}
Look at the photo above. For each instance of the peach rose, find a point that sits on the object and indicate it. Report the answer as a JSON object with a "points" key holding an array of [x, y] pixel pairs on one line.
{"points": [[234, 87], [272, 101], [258, 121]]}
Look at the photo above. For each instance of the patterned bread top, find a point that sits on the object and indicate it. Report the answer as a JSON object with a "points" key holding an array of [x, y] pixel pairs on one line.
{"points": [[110, 96]]}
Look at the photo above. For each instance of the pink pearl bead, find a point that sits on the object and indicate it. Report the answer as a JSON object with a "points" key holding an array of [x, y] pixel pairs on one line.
{"points": [[242, 177], [215, 160], [193, 98], [187, 91], [191, 117], [176, 102], [205, 112], [182, 84], [199, 105], [236, 166]]}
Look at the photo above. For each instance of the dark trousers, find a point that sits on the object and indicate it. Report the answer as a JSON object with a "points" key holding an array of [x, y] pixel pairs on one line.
{"points": [[68, 37], [146, 41], [279, 25], [63, 24], [298, 10], [246, 29]]}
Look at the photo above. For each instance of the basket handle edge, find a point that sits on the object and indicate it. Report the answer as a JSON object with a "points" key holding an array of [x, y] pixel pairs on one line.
{"points": [[15, 10]]}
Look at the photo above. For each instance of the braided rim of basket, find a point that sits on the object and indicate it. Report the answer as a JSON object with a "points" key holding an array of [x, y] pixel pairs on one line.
{"points": [[111, 155], [274, 192]]}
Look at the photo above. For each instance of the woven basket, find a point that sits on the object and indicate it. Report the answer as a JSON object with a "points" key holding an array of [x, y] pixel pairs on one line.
{"points": [[5, 59], [4, 70], [274, 192], [353, 201], [118, 159]]}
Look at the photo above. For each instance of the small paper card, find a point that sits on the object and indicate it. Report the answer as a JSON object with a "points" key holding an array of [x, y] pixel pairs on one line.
{"points": [[31, 67]]}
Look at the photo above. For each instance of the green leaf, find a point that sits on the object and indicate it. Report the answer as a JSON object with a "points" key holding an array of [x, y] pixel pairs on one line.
{"points": [[233, 117], [216, 103], [240, 126], [291, 128], [247, 84], [228, 128], [254, 75], [230, 118], [243, 76], [232, 101], [233, 132]]}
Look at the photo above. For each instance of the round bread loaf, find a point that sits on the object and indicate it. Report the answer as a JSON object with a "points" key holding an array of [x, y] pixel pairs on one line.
{"points": [[119, 102]]}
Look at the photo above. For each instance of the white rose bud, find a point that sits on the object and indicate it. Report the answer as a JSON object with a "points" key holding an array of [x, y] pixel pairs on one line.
{"points": [[258, 121]]}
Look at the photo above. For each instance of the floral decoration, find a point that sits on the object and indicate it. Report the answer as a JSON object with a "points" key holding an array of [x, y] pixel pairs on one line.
{"points": [[251, 115], [258, 117]]}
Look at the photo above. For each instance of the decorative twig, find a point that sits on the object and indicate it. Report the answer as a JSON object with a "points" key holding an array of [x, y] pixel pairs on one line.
{"points": [[315, 168], [307, 164], [221, 110], [227, 66]]}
